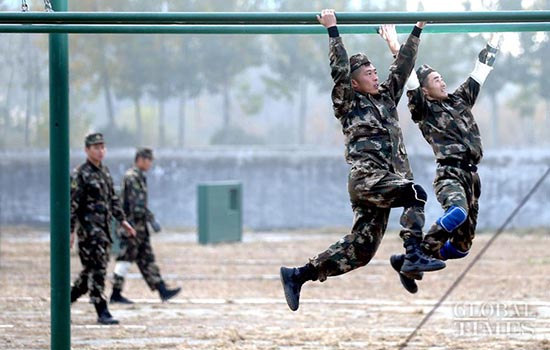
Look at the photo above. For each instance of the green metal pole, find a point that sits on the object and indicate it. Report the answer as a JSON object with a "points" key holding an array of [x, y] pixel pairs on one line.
{"points": [[271, 17], [59, 188], [263, 29]]}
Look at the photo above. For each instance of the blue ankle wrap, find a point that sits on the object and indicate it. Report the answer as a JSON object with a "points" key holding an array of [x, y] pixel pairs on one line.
{"points": [[449, 251], [453, 218]]}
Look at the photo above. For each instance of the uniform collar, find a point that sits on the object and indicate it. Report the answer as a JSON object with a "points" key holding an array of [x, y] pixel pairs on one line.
{"points": [[366, 100], [441, 102], [100, 167], [138, 171]]}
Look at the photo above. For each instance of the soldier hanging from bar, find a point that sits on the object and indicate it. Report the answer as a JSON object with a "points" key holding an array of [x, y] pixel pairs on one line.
{"points": [[448, 125], [380, 177]]}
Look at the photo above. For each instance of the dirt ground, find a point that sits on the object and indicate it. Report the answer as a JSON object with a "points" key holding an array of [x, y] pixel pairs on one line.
{"points": [[232, 298]]}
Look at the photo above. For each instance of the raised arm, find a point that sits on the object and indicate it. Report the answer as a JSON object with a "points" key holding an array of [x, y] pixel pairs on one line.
{"points": [[342, 92], [469, 90], [389, 34], [486, 59], [405, 57]]}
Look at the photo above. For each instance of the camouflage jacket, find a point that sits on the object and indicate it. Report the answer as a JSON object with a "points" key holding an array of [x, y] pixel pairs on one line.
{"points": [[134, 196], [449, 126], [370, 124], [93, 199]]}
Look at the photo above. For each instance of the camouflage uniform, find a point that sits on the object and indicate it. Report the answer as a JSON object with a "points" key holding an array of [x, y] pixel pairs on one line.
{"points": [[450, 128], [380, 174], [137, 249], [93, 203]]}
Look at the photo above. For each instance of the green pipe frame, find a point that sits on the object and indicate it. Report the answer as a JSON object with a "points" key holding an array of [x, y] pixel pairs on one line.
{"points": [[261, 29], [60, 272], [269, 17]]}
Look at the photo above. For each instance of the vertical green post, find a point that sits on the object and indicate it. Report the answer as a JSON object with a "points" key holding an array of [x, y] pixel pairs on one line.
{"points": [[59, 188]]}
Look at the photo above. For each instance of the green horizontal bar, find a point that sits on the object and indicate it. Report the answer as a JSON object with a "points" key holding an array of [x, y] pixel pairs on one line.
{"points": [[269, 17], [262, 29]]}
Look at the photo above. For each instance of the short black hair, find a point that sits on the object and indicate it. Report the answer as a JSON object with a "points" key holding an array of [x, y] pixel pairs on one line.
{"points": [[145, 153]]}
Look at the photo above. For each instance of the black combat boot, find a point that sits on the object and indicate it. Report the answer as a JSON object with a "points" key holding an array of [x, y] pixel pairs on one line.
{"points": [[292, 279], [103, 314], [415, 259], [117, 297], [407, 280], [165, 293], [76, 293]]}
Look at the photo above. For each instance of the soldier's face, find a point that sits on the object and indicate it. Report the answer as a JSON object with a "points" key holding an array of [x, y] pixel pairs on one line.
{"points": [[96, 152], [144, 164], [365, 80], [435, 87]]}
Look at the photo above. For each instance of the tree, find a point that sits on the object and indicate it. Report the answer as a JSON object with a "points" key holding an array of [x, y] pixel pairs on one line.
{"points": [[31, 84], [186, 78], [162, 84], [530, 70], [10, 67], [290, 71], [226, 57], [498, 78], [131, 79], [222, 66], [492, 86], [99, 61]]}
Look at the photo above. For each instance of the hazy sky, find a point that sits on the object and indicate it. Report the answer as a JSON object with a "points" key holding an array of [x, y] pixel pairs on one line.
{"points": [[435, 5], [438, 5]]}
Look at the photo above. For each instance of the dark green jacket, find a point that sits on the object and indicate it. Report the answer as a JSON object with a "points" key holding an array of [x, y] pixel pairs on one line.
{"points": [[134, 197], [370, 123], [93, 198], [449, 126]]}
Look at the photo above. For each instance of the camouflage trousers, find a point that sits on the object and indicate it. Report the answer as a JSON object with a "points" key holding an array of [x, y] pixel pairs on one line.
{"points": [[371, 207], [93, 250], [138, 249], [454, 186]]}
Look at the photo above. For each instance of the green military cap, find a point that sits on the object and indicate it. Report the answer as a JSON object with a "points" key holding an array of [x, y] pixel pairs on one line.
{"points": [[422, 72], [358, 60], [93, 139], [144, 152]]}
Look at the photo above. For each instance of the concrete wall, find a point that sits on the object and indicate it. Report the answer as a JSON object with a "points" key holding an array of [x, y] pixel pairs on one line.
{"points": [[282, 188]]}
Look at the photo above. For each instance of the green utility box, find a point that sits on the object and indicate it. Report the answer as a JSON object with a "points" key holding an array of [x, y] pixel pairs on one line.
{"points": [[220, 216]]}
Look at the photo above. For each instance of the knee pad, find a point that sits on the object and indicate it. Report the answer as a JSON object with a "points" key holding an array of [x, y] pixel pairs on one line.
{"points": [[449, 251], [453, 218], [416, 196]]}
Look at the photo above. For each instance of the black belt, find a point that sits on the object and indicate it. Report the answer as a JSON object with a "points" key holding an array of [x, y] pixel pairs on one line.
{"points": [[462, 164]]}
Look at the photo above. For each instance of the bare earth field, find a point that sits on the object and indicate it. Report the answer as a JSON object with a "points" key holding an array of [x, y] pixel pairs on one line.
{"points": [[232, 298]]}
